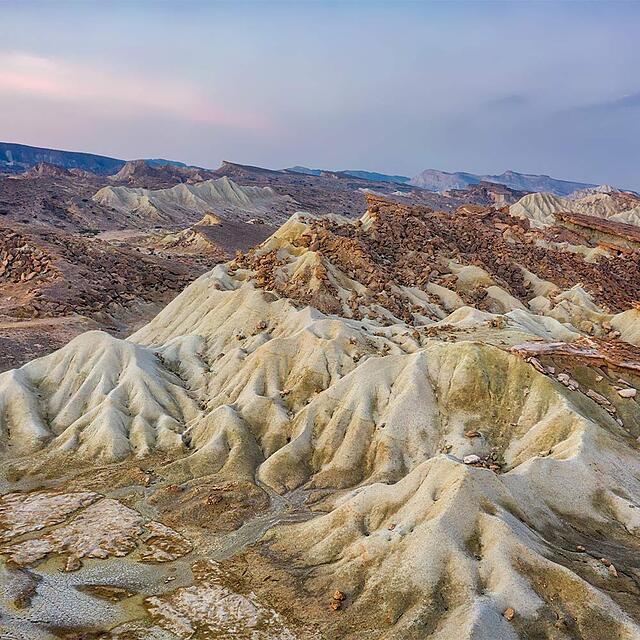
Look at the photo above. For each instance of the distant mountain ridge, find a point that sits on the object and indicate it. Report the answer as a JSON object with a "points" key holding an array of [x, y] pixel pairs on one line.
{"points": [[17, 158], [434, 180], [374, 176]]}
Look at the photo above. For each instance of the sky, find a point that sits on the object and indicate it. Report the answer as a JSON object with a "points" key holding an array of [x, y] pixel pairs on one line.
{"points": [[397, 87]]}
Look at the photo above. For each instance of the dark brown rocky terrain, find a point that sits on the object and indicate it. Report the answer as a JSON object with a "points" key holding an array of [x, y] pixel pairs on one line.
{"points": [[116, 282], [68, 263], [412, 246], [344, 194], [416, 424], [67, 254]]}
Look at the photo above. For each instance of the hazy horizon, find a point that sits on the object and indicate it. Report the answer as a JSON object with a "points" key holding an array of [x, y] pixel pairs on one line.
{"points": [[391, 87]]}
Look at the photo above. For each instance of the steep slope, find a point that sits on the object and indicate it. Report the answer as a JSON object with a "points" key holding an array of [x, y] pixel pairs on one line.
{"points": [[438, 413], [184, 202], [158, 173], [122, 406], [541, 208], [15, 158], [620, 207]]}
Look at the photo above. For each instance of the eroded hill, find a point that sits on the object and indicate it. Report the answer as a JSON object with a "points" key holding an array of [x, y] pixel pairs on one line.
{"points": [[79, 250], [618, 206], [412, 425]]}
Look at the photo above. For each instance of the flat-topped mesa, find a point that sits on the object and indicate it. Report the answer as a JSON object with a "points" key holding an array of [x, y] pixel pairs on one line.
{"points": [[229, 168], [131, 168]]}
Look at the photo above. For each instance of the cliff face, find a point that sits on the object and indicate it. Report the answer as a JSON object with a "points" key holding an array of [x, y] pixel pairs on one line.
{"points": [[16, 158]]}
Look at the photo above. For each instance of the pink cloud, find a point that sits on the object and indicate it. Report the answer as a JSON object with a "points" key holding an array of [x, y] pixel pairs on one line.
{"points": [[124, 92]]}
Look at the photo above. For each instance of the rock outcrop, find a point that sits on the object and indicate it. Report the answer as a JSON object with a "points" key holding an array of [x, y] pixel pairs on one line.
{"points": [[541, 208], [445, 405], [184, 201]]}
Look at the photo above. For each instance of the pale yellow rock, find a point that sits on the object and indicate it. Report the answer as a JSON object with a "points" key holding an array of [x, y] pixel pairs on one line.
{"points": [[235, 381]]}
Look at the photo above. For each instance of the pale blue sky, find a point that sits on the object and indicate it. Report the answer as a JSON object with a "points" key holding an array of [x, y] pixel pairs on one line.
{"points": [[541, 87]]}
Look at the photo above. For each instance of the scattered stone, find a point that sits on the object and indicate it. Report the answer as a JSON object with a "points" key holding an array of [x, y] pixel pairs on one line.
{"points": [[174, 489], [73, 563], [108, 592], [509, 614], [627, 393], [596, 397], [562, 622], [472, 459], [536, 364], [568, 381]]}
